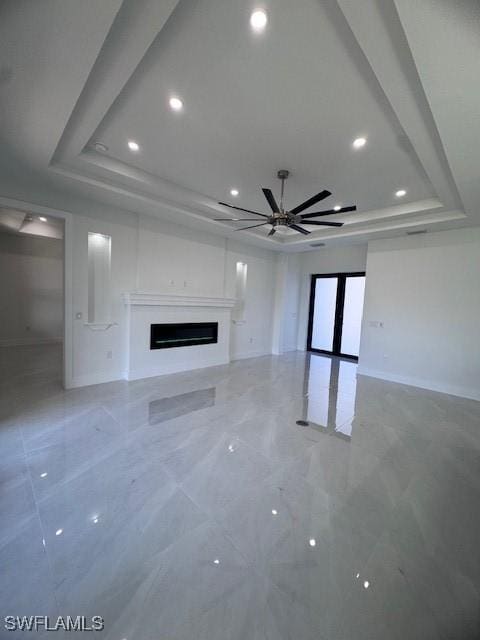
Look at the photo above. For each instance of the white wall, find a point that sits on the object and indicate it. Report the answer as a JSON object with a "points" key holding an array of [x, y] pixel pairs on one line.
{"points": [[31, 289], [293, 278], [324, 260], [426, 291], [287, 291], [253, 336], [149, 255], [99, 354], [180, 261]]}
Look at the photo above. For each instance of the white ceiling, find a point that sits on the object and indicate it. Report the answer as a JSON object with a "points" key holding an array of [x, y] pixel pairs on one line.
{"points": [[26, 223], [399, 72]]}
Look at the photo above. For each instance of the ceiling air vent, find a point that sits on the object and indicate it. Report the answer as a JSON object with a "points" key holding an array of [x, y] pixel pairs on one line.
{"points": [[100, 147], [416, 233], [317, 244]]}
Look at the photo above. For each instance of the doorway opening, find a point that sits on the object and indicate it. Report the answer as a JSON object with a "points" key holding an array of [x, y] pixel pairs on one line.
{"points": [[32, 300], [335, 316]]}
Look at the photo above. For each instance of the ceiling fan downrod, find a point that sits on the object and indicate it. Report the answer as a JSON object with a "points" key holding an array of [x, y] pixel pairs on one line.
{"points": [[282, 175]]}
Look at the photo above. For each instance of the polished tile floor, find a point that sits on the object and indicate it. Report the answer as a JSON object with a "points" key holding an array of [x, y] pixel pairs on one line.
{"points": [[193, 507]]}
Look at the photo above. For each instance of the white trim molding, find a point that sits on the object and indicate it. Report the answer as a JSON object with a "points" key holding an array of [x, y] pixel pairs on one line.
{"points": [[162, 300], [23, 342]]}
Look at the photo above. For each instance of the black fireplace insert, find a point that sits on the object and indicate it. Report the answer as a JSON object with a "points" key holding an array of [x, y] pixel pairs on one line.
{"points": [[187, 334]]}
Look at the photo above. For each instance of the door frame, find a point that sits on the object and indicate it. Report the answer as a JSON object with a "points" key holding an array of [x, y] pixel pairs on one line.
{"points": [[67, 217], [338, 322]]}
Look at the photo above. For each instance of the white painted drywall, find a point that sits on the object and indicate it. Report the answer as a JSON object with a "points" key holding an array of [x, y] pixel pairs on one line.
{"points": [[426, 292], [291, 303], [180, 261], [287, 291], [252, 336], [324, 260], [149, 255], [99, 353], [31, 289]]}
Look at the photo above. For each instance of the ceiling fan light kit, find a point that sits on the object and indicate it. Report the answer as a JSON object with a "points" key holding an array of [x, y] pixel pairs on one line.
{"points": [[293, 219]]}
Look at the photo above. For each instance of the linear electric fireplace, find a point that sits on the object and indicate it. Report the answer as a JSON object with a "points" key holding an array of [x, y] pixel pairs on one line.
{"points": [[187, 334]]}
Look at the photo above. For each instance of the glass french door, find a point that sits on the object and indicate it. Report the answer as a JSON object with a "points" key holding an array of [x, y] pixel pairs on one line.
{"points": [[335, 318]]}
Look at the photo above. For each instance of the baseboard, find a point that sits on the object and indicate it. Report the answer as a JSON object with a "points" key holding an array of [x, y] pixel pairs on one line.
{"points": [[152, 372], [26, 342], [94, 378], [250, 354], [462, 392]]}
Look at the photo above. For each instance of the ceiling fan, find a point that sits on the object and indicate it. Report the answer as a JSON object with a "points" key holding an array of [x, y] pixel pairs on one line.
{"points": [[292, 219]]}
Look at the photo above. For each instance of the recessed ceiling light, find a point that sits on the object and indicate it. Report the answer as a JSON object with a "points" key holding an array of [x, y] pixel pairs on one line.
{"points": [[400, 193], [337, 207], [258, 20], [58, 532], [312, 542], [42, 219], [133, 146], [175, 104], [359, 143], [234, 192]]}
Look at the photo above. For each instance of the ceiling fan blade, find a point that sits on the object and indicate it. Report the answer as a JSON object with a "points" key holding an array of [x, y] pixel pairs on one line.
{"points": [[311, 201], [262, 224], [233, 219], [328, 213], [323, 224], [297, 228], [225, 204], [272, 231], [271, 200]]}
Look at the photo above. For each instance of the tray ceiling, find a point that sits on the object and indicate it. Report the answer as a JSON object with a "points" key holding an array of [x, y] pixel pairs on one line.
{"points": [[322, 73]]}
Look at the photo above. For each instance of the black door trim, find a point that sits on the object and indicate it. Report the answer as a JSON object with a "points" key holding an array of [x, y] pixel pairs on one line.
{"points": [[337, 334]]}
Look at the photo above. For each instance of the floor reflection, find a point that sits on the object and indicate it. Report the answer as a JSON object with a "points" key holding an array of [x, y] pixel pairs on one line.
{"points": [[176, 406], [329, 391]]}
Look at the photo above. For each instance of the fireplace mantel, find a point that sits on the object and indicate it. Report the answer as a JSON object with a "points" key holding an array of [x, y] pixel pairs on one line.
{"points": [[164, 300]]}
